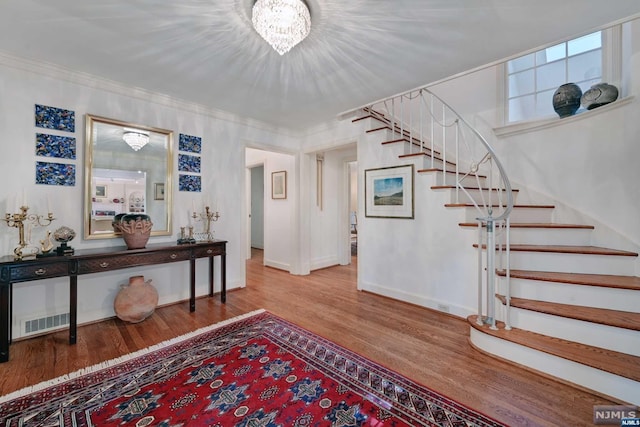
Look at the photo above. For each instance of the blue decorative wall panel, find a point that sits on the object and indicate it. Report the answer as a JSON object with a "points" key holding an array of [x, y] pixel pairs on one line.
{"points": [[189, 143], [190, 183], [55, 118], [55, 174], [187, 163], [63, 147]]}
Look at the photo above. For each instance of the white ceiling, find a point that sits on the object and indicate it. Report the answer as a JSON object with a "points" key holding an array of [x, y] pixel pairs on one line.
{"points": [[205, 51]]}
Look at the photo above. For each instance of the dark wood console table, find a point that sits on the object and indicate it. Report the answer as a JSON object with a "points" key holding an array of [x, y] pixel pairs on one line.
{"points": [[95, 261]]}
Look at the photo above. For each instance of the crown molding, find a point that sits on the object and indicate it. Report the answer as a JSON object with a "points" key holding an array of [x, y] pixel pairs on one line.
{"points": [[95, 82]]}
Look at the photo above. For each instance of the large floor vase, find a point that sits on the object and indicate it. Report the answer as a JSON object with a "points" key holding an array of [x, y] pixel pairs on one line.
{"points": [[136, 300]]}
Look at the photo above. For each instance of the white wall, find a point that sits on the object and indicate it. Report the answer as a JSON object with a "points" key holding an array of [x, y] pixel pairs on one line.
{"points": [[328, 232], [25, 84], [279, 234], [586, 166]]}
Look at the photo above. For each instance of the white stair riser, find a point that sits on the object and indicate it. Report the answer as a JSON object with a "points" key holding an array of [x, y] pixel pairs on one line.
{"points": [[531, 215], [517, 214], [597, 335], [542, 236], [611, 385], [565, 293], [573, 263], [480, 197], [548, 236], [451, 179]]}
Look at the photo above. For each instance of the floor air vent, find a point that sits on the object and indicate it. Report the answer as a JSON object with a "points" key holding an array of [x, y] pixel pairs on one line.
{"points": [[45, 323]]}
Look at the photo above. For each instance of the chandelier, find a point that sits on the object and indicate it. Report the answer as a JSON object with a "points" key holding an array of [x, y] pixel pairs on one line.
{"points": [[136, 140], [282, 23]]}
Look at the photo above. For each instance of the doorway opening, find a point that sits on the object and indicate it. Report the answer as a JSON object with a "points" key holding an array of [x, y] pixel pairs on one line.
{"points": [[256, 208], [353, 207]]}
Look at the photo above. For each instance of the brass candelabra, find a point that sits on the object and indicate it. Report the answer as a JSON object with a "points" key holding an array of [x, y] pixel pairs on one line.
{"points": [[19, 220], [207, 216]]}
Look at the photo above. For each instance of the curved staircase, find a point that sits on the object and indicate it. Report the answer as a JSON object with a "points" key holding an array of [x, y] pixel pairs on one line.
{"points": [[574, 307]]}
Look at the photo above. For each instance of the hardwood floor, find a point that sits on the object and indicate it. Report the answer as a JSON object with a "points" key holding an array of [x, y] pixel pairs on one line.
{"points": [[429, 347]]}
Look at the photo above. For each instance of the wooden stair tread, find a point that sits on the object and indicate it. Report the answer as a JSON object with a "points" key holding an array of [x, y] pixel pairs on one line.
{"points": [[602, 316], [464, 174], [435, 155], [567, 249], [377, 129], [534, 225], [603, 280], [416, 143], [622, 364], [453, 187], [521, 206], [370, 116]]}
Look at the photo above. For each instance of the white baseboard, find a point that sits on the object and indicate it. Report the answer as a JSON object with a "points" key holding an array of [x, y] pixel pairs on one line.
{"points": [[276, 264], [417, 299], [329, 261]]}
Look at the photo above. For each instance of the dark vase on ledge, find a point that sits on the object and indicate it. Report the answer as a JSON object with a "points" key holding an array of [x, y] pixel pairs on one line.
{"points": [[566, 99]]}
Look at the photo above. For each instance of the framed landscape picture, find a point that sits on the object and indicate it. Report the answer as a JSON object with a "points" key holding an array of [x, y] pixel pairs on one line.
{"points": [[158, 191], [389, 192], [279, 185], [101, 191]]}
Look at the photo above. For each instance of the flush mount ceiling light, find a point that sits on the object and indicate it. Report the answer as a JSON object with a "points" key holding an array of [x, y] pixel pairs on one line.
{"points": [[282, 23], [136, 140]]}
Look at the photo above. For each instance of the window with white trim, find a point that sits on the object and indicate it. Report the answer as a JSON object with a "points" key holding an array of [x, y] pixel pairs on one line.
{"points": [[532, 79]]}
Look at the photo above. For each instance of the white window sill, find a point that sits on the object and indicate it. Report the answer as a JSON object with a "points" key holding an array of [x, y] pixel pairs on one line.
{"points": [[530, 126]]}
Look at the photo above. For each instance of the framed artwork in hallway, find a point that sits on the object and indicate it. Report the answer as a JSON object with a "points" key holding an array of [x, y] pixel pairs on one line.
{"points": [[279, 185], [389, 192]]}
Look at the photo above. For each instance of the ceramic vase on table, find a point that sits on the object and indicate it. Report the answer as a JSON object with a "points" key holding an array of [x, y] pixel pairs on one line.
{"points": [[136, 300], [135, 229]]}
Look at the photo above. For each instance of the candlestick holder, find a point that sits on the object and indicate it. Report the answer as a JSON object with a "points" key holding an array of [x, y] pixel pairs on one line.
{"points": [[186, 239], [207, 216], [18, 220]]}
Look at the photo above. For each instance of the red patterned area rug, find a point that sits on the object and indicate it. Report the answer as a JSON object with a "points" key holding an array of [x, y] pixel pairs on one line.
{"points": [[254, 370]]}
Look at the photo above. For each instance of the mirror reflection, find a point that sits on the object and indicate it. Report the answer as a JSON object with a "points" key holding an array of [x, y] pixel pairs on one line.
{"points": [[128, 170]]}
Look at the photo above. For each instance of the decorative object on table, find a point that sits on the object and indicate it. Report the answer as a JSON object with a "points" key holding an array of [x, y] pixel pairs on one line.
{"points": [[600, 94], [18, 220], [55, 118], [136, 300], [135, 229], [388, 192], [184, 239], [64, 235], [255, 369], [566, 99], [46, 245], [207, 216]]}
